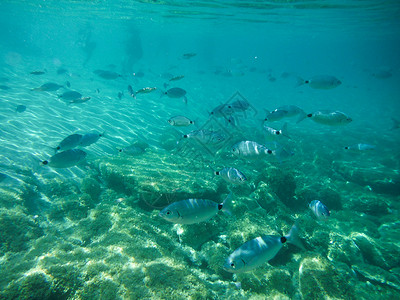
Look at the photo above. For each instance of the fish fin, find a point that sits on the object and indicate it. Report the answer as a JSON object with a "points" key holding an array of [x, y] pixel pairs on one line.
{"points": [[284, 131], [131, 92], [185, 99], [293, 237], [227, 204], [300, 81], [302, 116], [282, 154]]}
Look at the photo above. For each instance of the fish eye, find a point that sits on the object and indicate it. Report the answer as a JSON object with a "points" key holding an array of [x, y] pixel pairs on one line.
{"points": [[232, 265], [233, 149], [169, 212]]}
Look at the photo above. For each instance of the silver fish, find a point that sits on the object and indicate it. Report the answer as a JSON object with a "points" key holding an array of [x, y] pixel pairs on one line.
{"points": [[240, 105], [70, 95], [222, 111], [272, 132], [205, 136], [286, 111], [250, 149], [193, 211], [107, 74], [66, 159], [144, 90], [48, 87], [180, 121], [90, 138], [175, 78], [331, 118], [38, 72], [20, 108], [360, 147], [321, 82], [70, 142], [133, 150], [232, 175], [258, 251], [176, 92], [79, 100], [319, 210]]}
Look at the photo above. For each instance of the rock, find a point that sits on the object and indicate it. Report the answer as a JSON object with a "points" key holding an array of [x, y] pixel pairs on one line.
{"points": [[371, 204], [342, 248], [319, 278], [379, 178], [377, 275], [17, 230], [268, 200], [377, 253], [283, 184], [159, 180], [91, 187]]}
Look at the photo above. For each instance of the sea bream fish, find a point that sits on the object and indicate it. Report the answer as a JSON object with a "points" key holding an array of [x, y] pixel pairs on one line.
{"points": [[90, 138], [73, 97], [273, 133], [107, 74], [321, 82], [240, 105], [193, 211], [286, 111], [205, 136], [70, 142], [231, 175], [70, 95], [176, 92], [180, 121], [331, 118], [134, 149], [360, 147], [144, 90], [222, 111], [66, 159], [319, 210], [250, 149], [258, 251], [48, 87]]}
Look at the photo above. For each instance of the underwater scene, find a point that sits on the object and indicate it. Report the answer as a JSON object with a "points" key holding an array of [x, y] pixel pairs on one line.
{"points": [[199, 149]]}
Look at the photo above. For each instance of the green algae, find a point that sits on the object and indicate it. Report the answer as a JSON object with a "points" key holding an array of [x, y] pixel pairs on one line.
{"points": [[16, 231]]}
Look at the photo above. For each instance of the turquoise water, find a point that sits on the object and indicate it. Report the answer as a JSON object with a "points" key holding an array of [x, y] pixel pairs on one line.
{"points": [[93, 230]]}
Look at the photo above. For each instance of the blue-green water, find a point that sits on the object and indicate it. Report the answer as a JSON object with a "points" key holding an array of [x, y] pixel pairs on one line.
{"points": [[92, 231]]}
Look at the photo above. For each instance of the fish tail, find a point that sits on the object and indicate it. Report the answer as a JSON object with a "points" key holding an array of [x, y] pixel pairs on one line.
{"points": [[227, 204], [293, 237], [213, 172], [300, 81], [282, 154], [285, 131], [302, 116]]}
